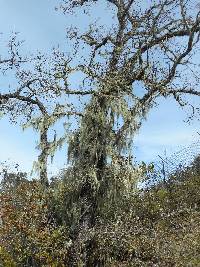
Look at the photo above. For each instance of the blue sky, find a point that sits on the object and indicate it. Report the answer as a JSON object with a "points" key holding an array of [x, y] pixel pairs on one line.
{"points": [[42, 27]]}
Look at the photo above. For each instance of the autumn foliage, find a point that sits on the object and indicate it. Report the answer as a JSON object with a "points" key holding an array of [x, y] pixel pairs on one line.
{"points": [[29, 235], [156, 226]]}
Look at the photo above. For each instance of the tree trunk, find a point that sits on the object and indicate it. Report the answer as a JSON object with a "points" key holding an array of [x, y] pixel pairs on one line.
{"points": [[43, 157]]}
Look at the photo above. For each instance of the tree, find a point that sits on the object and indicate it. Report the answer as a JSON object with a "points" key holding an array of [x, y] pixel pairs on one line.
{"points": [[37, 98], [147, 48]]}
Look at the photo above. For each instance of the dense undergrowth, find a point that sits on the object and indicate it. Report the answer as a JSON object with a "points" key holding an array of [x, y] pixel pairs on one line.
{"points": [[156, 226]]}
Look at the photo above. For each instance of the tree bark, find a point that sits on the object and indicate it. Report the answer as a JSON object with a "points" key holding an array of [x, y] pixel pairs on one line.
{"points": [[43, 157]]}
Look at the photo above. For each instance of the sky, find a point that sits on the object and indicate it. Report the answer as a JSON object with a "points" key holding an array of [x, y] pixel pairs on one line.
{"points": [[42, 28]]}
